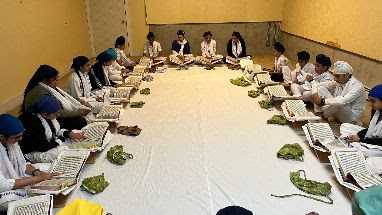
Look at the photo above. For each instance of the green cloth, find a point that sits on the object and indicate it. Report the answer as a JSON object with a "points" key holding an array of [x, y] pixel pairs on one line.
{"points": [[137, 104], [254, 93], [145, 91], [116, 155], [291, 152], [309, 186], [37, 93], [240, 82], [95, 184], [266, 104], [368, 202], [278, 120]]}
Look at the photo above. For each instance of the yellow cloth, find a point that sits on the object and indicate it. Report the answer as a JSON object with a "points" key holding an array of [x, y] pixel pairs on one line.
{"points": [[81, 207]]}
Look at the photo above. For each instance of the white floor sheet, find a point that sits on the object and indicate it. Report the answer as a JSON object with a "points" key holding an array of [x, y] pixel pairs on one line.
{"points": [[205, 145]]}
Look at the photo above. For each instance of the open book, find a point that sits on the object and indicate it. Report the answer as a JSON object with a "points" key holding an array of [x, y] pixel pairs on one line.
{"points": [[295, 110], [94, 134], [321, 137], [264, 79], [109, 113], [38, 205], [354, 170]]}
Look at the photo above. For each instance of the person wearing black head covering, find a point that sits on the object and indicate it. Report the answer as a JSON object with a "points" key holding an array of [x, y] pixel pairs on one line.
{"points": [[152, 48], [45, 82], [43, 134], [281, 70], [234, 210], [180, 46], [98, 74], [122, 59], [236, 47]]}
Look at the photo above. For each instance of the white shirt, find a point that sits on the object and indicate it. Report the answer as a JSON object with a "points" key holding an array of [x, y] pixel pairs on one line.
{"points": [[309, 68], [122, 57], [152, 50], [76, 89], [208, 49], [280, 62], [352, 93], [324, 79]]}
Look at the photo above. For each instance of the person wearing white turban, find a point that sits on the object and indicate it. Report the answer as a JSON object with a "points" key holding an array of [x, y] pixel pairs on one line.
{"points": [[348, 101]]}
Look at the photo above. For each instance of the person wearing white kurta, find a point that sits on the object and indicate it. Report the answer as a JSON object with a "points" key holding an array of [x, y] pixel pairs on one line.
{"points": [[152, 48], [79, 86], [282, 68], [321, 74], [347, 103], [122, 59], [208, 45], [115, 71], [15, 172]]}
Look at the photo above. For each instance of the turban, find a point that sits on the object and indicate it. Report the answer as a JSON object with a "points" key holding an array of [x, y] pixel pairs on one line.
{"points": [[103, 57], [10, 125], [47, 104], [342, 67], [113, 53], [376, 92]]}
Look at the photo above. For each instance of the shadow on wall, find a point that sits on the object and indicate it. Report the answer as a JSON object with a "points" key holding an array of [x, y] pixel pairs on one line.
{"points": [[255, 35]]}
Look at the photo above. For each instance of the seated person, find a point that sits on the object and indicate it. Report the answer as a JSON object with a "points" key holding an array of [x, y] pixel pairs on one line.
{"points": [[181, 47], [373, 134], [15, 172], [79, 86], [152, 48], [99, 73], [121, 57], [236, 46], [43, 139], [347, 103], [320, 75], [208, 45], [73, 114], [281, 70], [116, 72], [303, 68]]}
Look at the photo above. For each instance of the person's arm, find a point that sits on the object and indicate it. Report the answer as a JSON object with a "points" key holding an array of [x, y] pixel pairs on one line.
{"points": [[203, 50], [34, 138], [174, 48], [159, 50], [214, 48], [229, 49], [187, 49], [373, 141], [244, 49], [74, 88], [354, 93], [38, 176]]}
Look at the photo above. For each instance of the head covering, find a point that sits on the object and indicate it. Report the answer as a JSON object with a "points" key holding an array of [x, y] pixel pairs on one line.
{"points": [[279, 47], [113, 53], [181, 32], [150, 35], [367, 201], [79, 61], [10, 125], [323, 60], [120, 41], [234, 210], [342, 67], [47, 104], [103, 57], [303, 55], [376, 92]]}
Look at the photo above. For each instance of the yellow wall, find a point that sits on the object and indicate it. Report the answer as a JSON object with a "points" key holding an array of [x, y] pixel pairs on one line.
{"points": [[138, 29], [38, 32], [212, 11], [352, 25]]}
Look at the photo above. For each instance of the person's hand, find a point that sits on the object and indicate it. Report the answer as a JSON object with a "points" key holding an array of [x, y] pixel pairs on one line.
{"points": [[83, 112], [181, 57], [85, 103], [309, 77], [76, 136], [43, 176], [353, 138], [99, 99], [316, 99]]}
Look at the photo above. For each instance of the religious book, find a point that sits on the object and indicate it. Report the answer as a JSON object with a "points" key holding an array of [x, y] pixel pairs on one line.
{"points": [[37, 205]]}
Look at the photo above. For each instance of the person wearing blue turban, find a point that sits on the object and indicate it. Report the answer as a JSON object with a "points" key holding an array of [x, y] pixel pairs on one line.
{"points": [[373, 134], [13, 166], [116, 72], [43, 136], [99, 75]]}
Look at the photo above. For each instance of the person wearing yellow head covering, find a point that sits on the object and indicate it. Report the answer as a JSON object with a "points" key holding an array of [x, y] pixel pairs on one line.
{"points": [[347, 102]]}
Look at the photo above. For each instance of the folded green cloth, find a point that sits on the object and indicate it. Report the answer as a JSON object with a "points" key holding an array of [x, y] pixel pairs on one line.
{"points": [[368, 202], [145, 91], [254, 93], [95, 184], [266, 104], [291, 152], [116, 155], [278, 120], [137, 104], [240, 82]]}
